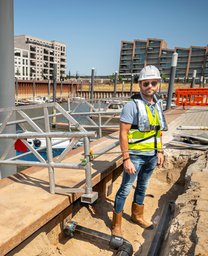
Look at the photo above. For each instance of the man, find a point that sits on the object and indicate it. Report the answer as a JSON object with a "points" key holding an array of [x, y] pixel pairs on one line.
{"points": [[141, 123]]}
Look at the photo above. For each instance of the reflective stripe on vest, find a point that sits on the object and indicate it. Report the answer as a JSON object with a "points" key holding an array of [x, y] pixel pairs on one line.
{"points": [[145, 141]]}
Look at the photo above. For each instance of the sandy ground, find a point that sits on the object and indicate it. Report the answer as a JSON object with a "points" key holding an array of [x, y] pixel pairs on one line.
{"points": [[165, 185]]}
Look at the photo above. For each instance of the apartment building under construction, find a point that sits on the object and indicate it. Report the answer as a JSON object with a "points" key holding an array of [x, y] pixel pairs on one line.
{"points": [[35, 58], [136, 54]]}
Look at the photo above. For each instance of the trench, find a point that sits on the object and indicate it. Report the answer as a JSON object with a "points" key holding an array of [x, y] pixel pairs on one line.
{"points": [[166, 185]]}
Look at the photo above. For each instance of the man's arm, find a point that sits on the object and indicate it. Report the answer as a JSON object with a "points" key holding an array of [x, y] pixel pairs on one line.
{"points": [[128, 165], [160, 154]]}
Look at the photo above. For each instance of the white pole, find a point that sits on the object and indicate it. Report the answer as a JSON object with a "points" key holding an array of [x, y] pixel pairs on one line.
{"points": [[172, 79], [7, 82]]}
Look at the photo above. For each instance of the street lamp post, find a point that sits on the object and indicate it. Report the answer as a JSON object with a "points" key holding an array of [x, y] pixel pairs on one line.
{"points": [[115, 83]]}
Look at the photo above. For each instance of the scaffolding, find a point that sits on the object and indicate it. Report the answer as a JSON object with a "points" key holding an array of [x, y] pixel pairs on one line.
{"points": [[23, 120]]}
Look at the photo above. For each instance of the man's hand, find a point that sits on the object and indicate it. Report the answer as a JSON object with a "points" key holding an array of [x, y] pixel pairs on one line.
{"points": [[161, 159], [129, 167]]}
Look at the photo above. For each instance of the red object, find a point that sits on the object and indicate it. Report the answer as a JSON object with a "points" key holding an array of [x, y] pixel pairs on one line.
{"points": [[20, 146], [192, 97]]}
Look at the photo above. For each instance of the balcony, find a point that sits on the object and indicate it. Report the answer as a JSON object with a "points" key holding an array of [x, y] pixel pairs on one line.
{"points": [[139, 57], [32, 49], [126, 53], [127, 47], [141, 45], [155, 43], [185, 55], [125, 63], [165, 64], [32, 55], [194, 60], [125, 68], [45, 71], [45, 51], [182, 60], [63, 59], [139, 52], [125, 58], [152, 62], [32, 70], [149, 57], [32, 63], [153, 52], [18, 54], [181, 65], [139, 66]]}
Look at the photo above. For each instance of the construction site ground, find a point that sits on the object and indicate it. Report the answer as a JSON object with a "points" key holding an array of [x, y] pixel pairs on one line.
{"points": [[183, 178]]}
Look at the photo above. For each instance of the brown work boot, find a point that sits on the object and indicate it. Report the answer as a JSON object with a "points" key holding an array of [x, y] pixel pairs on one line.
{"points": [[116, 225], [137, 212]]}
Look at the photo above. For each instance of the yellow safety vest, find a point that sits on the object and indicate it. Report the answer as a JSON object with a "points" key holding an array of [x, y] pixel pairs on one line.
{"points": [[146, 141]]}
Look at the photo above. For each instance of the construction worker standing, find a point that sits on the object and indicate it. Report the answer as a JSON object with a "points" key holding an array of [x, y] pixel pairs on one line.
{"points": [[141, 123]]}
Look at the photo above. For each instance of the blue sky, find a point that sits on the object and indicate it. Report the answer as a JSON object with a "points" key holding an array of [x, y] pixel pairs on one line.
{"points": [[93, 30]]}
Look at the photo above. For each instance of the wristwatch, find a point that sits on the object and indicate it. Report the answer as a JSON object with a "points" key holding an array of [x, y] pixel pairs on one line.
{"points": [[160, 151]]}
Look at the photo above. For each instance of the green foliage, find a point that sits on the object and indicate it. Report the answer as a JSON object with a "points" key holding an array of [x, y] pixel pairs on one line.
{"points": [[119, 78], [164, 77]]}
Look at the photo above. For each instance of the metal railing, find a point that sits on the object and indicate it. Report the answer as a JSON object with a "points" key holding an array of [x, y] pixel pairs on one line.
{"points": [[36, 131], [51, 163], [100, 115]]}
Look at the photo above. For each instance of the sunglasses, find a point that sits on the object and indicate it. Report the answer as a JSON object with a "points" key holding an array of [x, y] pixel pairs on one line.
{"points": [[153, 83]]}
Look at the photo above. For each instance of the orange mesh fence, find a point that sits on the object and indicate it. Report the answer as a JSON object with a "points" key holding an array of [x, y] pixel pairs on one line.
{"points": [[192, 97]]}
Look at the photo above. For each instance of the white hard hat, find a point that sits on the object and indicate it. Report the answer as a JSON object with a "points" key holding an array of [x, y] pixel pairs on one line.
{"points": [[149, 72]]}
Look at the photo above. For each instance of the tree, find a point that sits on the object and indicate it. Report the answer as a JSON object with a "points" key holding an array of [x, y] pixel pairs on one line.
{"points": [[164, 77], [77, 75], [119, 78], [69, 75], [136, 78]]}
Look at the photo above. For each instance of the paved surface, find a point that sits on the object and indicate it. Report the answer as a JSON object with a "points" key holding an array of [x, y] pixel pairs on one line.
{"points": [[195, 116], [26, 203]]}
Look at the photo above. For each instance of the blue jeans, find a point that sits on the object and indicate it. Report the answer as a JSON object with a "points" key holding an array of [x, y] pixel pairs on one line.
{"points": [[144, 166]]}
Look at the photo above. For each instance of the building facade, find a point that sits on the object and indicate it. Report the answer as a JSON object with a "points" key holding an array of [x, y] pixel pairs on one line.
{"points": [[22, 64], [42, 55], [139, 53]]}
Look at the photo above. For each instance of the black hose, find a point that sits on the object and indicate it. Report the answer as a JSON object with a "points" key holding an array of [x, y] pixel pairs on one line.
{"points": [[92, 232], [123, 247], [160, 233]]}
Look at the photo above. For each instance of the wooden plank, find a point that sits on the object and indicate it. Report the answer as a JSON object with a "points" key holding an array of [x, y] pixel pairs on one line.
{"points": [[25, 201]]}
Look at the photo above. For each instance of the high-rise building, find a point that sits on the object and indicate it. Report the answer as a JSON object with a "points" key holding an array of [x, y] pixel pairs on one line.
{"points": [[42, 54], [139, 53]]}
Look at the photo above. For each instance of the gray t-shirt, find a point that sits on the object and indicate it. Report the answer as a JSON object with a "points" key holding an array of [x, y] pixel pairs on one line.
{"points": [[129, 113]]}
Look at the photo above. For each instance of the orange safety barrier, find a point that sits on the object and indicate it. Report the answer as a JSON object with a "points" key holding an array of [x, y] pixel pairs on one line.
{"points": [[192, 97]]}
